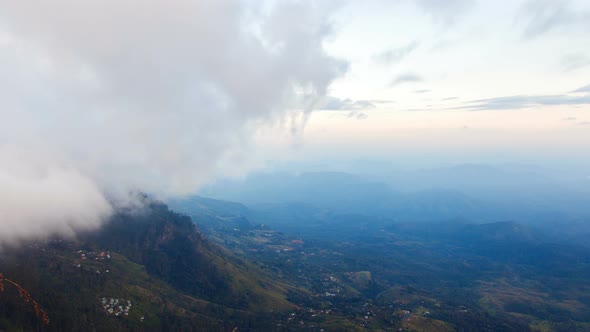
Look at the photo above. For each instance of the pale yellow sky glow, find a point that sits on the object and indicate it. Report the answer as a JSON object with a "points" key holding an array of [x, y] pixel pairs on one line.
{"points": [[432, 65]]}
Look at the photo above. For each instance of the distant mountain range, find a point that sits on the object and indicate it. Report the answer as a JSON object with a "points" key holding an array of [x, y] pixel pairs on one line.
{"points": [[479, 193]]}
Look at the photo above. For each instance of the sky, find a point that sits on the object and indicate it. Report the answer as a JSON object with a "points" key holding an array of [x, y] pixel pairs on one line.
{"points": [[470, 78], [101, 100]]}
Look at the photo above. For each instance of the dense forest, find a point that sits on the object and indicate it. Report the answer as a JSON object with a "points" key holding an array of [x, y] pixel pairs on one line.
{"points": [[154, 259], [218, 270]]}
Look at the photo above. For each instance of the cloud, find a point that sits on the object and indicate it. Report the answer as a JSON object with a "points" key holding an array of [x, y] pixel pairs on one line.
{"points": [[421, 91], [357, 115], [102, 98], [571, 118], [572, 62], [450, 98], [39, 197], [524, 101], [395, 55], [445, 12], [542, 16], [584, 123], [381, 101], [329, 103], [582, 89], [406, 78]]}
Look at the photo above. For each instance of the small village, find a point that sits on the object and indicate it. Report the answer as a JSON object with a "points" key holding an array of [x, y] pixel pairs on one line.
{"points": [[116, 307], [93, 255], [333, 287], [85, 259]]}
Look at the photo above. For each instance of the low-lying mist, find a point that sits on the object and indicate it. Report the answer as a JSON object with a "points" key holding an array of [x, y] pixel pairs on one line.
{"points": [[467, 192]]}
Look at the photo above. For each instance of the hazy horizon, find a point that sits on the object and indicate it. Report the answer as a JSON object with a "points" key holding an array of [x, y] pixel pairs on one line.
{"points": [[103, 99], [295, 165]]}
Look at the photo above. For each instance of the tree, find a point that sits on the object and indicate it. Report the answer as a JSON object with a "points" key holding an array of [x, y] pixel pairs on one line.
{"points": [[24, 294]]}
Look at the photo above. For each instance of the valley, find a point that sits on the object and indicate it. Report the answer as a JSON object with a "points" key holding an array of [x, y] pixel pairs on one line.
{"points": [[210, 267]]}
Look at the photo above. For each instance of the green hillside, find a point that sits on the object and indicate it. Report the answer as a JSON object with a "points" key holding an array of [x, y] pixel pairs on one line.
{"points": [[155, 265]]}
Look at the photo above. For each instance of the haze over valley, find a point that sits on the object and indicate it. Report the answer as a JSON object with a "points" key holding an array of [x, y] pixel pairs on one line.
{"points": [[294, 165]]}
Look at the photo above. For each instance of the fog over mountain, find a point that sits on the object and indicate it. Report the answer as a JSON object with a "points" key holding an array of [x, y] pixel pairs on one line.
{"points": [[103, 98], [294, 165], [474, 192]]}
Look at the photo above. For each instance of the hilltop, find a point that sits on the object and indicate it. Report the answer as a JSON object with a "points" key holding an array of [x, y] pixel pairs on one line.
{"points": [[154, 264]]}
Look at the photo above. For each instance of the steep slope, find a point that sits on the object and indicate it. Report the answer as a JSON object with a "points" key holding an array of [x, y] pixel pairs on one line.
{"points": [[158, 270], [171, 248]]}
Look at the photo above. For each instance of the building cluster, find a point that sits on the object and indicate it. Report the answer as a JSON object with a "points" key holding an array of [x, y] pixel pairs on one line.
{"points": [[93, 255], [329, 286], [116, 307]]}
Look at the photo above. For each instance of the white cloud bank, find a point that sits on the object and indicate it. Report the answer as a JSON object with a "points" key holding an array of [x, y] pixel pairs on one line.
{"points": [[101, 98]]}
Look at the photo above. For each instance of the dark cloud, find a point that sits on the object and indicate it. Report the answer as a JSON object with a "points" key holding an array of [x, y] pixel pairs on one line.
{"points": [[336, 104], [395, 55], [406, 78], [576, 61], [524, 101], [357, 115], [582, 89], [542, 16]]}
